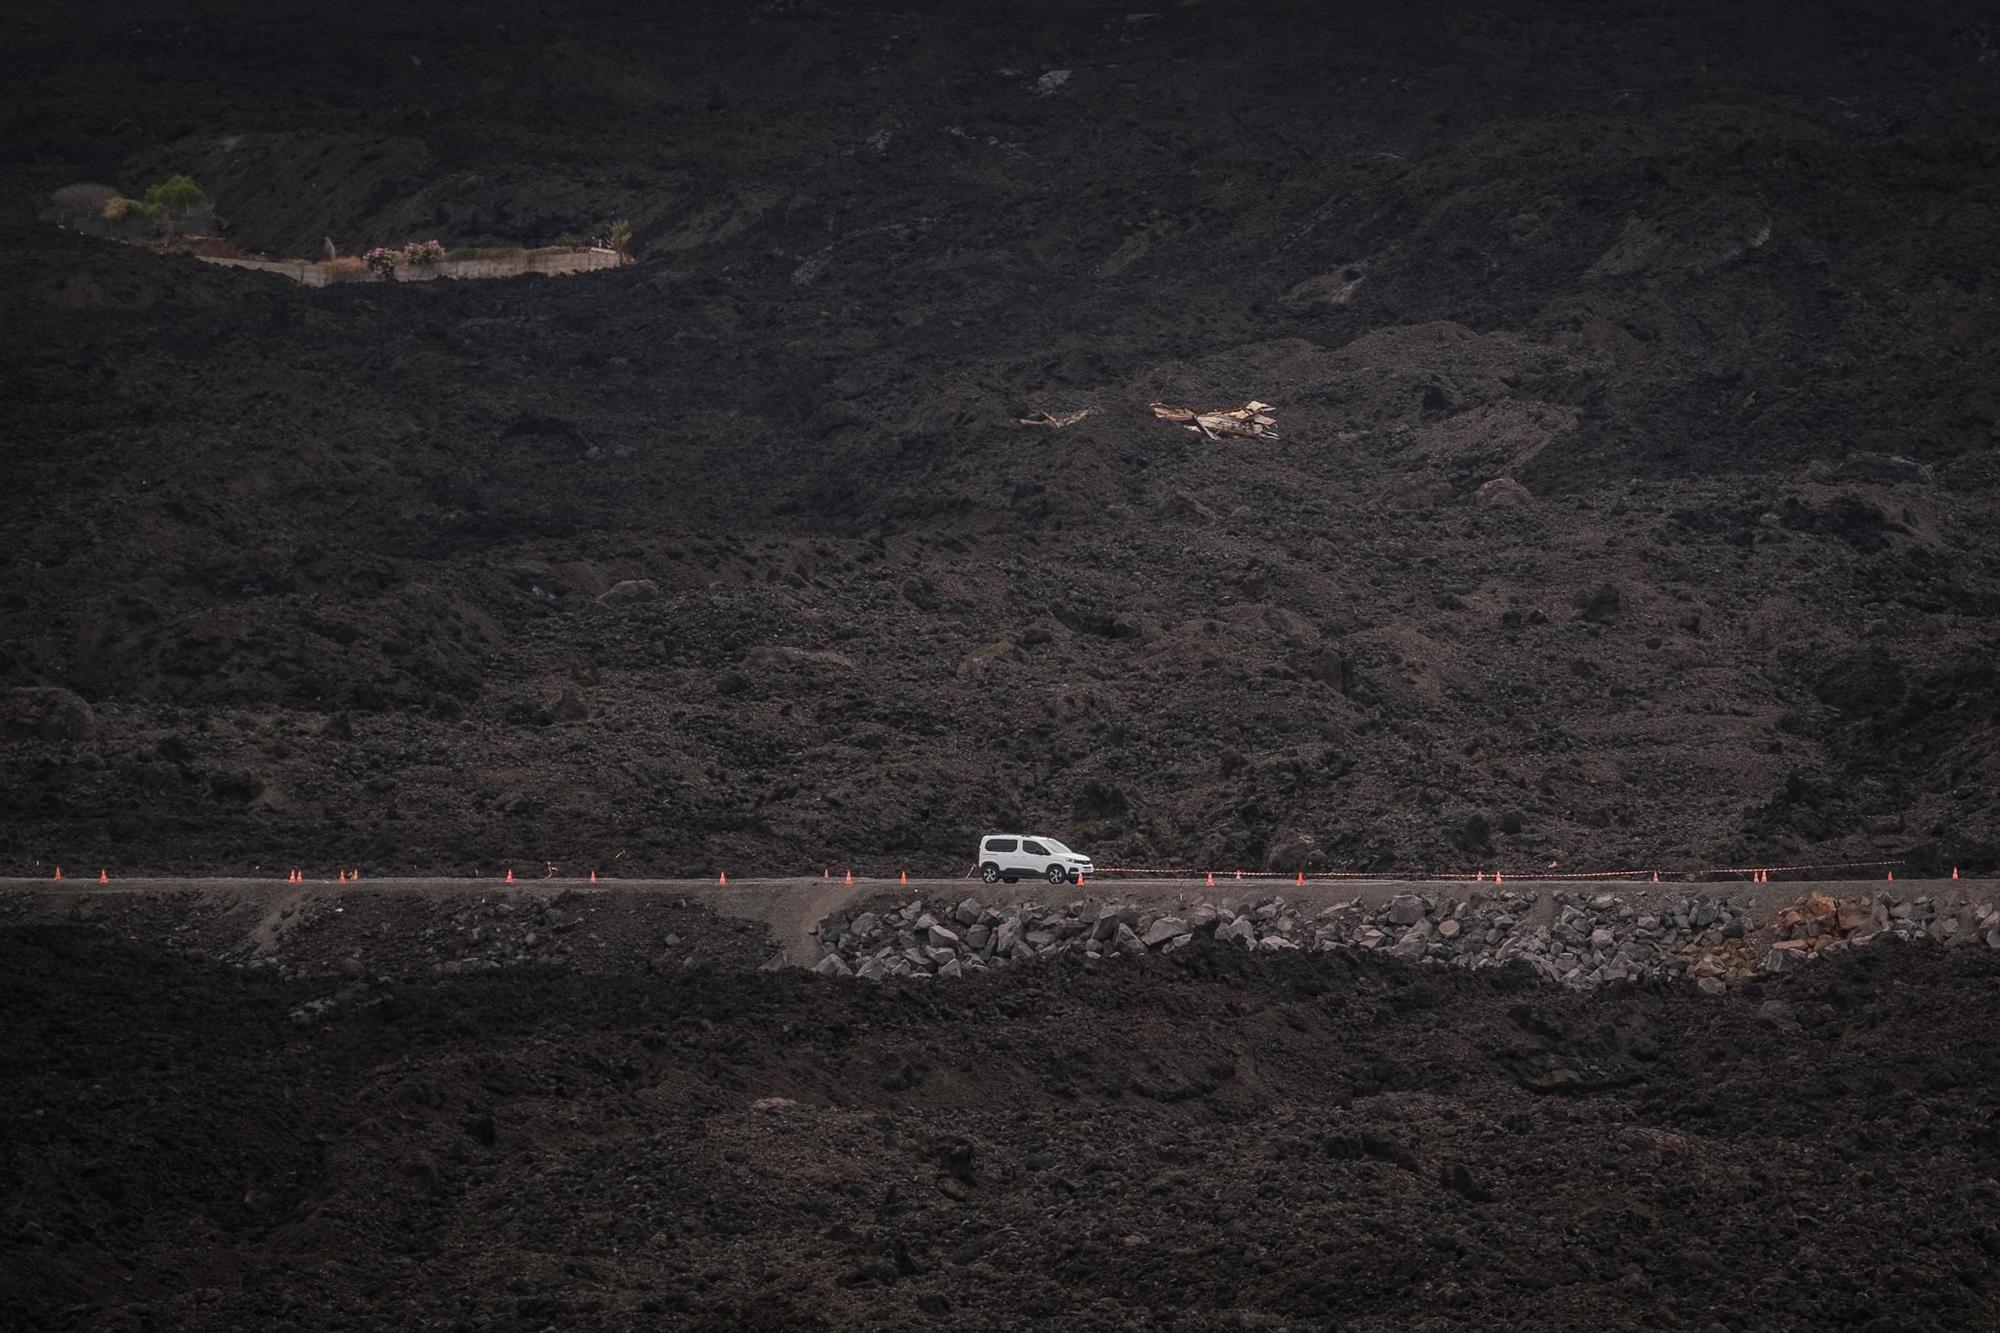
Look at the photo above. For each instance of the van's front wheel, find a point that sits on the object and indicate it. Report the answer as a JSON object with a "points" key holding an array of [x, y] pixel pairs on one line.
{"points": [[990, 873], [1057, 874]]}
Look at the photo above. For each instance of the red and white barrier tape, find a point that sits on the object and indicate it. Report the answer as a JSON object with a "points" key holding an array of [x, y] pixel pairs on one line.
{"points": [[1664, 872]]}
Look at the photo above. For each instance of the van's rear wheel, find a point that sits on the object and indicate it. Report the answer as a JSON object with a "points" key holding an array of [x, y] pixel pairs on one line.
{"points": [[1057, 874], [990, 873]]}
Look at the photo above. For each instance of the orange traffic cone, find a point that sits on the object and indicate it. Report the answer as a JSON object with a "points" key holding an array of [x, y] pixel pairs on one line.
{"points": [[1239, 874], [1479, 877], [1079, 879], [1302, 879], [903, 878], [1211, 879], [722, 878], [1656, 877], [826, 872], [1496, 877], [848, 879], [343, 877], [103, 877], [1892, 877], [354, 877], [510, 874], [593, 877], [1954, 874]]}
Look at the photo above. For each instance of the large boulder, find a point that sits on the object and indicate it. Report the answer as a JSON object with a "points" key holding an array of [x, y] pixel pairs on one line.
{"points": [[1502, 493], [1240, 931], [46, 713], [630, 592], [1406, 909]]}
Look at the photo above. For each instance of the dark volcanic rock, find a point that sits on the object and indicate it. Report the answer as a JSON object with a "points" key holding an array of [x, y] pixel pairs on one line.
{"points": [[765, 481]]}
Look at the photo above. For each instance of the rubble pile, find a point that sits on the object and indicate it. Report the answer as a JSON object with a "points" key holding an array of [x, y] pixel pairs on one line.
{"points": [[1576, 939], [1819, 924]]}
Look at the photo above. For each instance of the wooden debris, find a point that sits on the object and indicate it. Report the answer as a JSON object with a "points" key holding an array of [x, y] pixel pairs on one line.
{"points": [[1052, 420], [1248, 422]]}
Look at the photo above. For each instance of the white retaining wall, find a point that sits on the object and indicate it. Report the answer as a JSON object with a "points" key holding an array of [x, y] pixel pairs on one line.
{"points": [[313, 273]]}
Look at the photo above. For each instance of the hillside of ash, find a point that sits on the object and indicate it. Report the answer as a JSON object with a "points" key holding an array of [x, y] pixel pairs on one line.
{"points": [[1633, 503]]}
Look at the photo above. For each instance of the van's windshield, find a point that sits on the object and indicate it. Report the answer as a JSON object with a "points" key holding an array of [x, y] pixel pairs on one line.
{"points": [[1054, 846]]}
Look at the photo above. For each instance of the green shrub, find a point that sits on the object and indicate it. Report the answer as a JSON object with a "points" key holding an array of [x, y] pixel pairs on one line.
{"points": [[171, 201], [621, 236]]}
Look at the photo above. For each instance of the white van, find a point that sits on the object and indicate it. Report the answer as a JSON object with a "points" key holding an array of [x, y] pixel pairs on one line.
{"points": [[1009, 856]]}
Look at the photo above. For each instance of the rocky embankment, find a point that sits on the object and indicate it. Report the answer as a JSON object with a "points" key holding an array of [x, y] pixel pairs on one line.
{"points": [[1570, 937]]}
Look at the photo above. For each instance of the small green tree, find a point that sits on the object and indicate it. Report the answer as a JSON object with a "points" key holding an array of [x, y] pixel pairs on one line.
{"points": [[621, 236], [172, 200]]}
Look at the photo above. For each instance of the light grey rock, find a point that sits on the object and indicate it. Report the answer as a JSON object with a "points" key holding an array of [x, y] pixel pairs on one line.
{"points": [[833, 965], [864, 925], [1602, 939], [1711, 986], [1127, 941], [1240, 931], [630, 592], [1203, 916], [1406, 909], [940, 938], [951, 969], [1007, 936], [1162, 930], [977, 936], [968, 912], [775, 963], [1449, 928], [873, 970], [1275, 944]]}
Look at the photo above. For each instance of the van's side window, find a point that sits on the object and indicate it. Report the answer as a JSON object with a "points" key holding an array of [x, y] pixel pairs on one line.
{"points": [[1034, 849], [1000, 844]]}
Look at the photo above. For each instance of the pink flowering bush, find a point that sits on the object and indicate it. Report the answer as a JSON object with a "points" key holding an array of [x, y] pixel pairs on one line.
{"points": [[423, 252], [382, 261]]}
